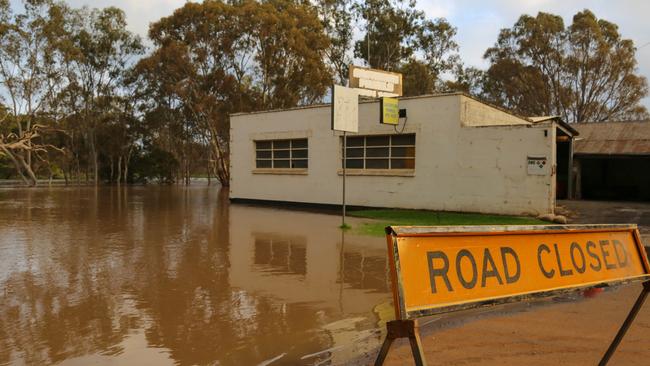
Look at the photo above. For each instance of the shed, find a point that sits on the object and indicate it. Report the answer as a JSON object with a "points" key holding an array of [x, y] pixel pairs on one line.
{"points": [[612, 160]]}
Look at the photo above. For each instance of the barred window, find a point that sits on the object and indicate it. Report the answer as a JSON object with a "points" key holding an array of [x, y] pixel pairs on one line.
{"points": [[281, 154], [381, 152]]}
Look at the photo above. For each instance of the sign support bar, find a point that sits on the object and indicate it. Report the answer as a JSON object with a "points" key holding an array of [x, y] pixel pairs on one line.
{"points": [[345, 162], [402, 329], [626, 324]]}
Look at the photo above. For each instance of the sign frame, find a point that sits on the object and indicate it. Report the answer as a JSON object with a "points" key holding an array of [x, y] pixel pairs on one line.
{"points": [[406, 323], [374, 82], [393, 232]]}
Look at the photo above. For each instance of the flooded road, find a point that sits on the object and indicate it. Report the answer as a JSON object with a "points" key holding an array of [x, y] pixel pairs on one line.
{"points": [[172, 275]]}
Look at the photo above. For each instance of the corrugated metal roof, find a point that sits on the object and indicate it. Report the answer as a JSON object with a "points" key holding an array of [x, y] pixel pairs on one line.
{"points": [[613, 138]]}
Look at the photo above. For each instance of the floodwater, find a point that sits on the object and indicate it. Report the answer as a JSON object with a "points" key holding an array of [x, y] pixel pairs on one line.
{"points": [[172, 275]]}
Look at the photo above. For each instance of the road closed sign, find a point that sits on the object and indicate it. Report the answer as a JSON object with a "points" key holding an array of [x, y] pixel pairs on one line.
{"points": [[441, 269]]}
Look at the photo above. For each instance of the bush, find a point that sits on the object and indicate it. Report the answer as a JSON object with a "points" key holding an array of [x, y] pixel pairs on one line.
{"points": [[155, 164]]}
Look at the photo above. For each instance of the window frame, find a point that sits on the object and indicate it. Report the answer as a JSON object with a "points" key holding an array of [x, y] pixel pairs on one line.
{"points": [[290, 168], [364, 157]]}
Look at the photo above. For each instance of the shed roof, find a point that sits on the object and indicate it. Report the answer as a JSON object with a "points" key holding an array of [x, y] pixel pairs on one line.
{"points": [[613, 138]]}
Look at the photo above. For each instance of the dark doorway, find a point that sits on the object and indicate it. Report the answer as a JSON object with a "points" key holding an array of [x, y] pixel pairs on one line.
{"points": [[615, 178], [563, 149]]}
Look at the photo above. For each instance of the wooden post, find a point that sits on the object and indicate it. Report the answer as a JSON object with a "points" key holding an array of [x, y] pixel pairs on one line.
{"points": [[402, 329]]}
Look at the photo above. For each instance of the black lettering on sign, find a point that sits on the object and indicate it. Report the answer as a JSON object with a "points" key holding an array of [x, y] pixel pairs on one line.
{"points": [[583, 263], [464, 253], [540, 249], [442, 272], [591, 245], [493, 272], [563, 272], [617, 244], [510, 278], [603, 244]]}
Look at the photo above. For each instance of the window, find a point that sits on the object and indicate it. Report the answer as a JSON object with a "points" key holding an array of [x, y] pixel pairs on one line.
{"points": [[381, 152], [281, 154]]}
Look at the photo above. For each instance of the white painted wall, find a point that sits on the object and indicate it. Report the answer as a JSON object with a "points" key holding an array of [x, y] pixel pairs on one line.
{"points": [[464, 161]]}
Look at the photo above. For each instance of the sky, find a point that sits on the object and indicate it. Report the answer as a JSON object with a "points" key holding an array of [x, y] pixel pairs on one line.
{"points": [[478, 21]]}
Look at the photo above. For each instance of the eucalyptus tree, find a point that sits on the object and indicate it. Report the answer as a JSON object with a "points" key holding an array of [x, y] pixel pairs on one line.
{"points": [[96, 54], [215, 58], [337, 18], [399, 37], [585, 72], [29, 78]]}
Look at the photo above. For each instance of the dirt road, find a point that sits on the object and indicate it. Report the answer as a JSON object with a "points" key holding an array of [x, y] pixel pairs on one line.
{"points": [[602, 212], [566, 333]]}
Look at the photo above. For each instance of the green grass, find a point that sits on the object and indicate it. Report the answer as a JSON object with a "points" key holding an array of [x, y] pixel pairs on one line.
{"points": [[432, 218]]}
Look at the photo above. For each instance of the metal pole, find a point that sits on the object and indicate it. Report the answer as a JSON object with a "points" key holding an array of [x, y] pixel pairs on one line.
{"points": [[345, 144], [626, 324]]}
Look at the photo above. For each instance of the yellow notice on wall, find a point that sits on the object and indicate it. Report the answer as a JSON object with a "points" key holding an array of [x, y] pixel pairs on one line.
{"points": [[438, 269], [389, 111]]}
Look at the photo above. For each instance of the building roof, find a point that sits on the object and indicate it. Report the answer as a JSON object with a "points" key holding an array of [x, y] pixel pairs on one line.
{"points": [[613, 138], [567, 128]]}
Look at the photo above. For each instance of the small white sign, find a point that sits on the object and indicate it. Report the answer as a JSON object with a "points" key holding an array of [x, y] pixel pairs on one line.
{"points": [[537, 165], [345, 109], [375, 83]]}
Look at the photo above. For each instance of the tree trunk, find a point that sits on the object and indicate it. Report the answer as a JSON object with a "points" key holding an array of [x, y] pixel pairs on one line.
{"points": [[30, 173], [16, 164], [126, 168], [119, 169], [209, 170]]}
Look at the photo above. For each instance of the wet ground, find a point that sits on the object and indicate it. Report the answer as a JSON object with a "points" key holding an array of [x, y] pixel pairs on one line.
{"points": [[561, 332], [169, 275], [607, 212]]}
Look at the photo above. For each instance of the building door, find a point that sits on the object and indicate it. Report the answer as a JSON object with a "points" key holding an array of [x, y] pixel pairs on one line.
{"points": [[624, 178]]}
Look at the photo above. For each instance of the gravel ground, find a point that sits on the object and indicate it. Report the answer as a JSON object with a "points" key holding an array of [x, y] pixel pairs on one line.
{"points": [[603, 212]]}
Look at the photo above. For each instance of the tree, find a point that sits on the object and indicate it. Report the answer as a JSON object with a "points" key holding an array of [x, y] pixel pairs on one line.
{"points": [[29, 78], [391, 29], [215, 58], [97, 51], [583, 73], [400, 38], [336, 17]]}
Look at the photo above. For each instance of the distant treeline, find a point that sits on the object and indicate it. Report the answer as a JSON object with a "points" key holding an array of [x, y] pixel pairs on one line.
{"points": [[85, 100]]}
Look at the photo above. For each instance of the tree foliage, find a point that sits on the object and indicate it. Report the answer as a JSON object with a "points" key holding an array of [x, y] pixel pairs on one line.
{"points": [[82, 97], [398, 37], [585, 72], [218, 58]]}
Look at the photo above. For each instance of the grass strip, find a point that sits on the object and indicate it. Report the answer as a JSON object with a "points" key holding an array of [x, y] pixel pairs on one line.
{"points": [[432, 218]]}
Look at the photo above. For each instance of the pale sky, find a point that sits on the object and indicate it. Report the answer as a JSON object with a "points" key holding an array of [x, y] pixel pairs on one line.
{"points": [[478, 21]]}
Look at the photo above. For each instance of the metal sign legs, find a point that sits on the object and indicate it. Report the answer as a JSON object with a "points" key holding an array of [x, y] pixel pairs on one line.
{"points": [[410, 329], [626, 324], [402, 329]]}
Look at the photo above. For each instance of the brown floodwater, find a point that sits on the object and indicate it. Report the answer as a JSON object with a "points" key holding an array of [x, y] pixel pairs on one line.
{"points": [[172, 275]]}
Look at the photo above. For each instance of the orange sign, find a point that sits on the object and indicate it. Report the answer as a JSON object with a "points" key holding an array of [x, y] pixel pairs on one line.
{"points": [[438, 269]]}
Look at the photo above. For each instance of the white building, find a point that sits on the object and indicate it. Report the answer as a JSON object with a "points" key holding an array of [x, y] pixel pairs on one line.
{"points": [[451, 153]]}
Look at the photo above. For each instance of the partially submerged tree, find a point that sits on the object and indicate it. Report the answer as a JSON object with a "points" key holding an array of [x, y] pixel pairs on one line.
{"points": [[216, 58], [97, 51], [583, 73], [28, 76]]}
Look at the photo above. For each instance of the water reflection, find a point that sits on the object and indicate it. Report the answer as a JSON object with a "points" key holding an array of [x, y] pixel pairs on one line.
{"points": [[166, 275]]}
